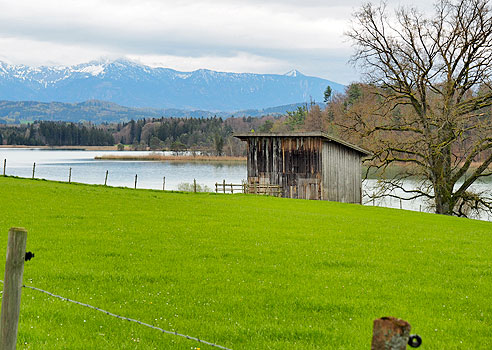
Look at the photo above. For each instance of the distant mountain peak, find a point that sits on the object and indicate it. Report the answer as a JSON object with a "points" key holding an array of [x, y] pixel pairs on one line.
{"points": [[92, 68], [294, 73]]}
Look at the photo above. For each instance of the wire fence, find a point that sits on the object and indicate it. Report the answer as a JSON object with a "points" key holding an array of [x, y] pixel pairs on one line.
{"points": [[130, 181], [370, 195], [201, 341]]}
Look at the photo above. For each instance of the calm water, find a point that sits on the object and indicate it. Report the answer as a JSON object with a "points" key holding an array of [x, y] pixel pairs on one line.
{"points": [[55, 164]]}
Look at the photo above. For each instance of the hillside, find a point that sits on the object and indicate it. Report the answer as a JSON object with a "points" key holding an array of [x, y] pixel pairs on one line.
{"points": [[131, 84], [95, 111], [241, 271]]}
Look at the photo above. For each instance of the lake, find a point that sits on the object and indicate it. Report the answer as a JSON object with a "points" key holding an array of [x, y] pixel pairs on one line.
{"points": [[55, 165]]}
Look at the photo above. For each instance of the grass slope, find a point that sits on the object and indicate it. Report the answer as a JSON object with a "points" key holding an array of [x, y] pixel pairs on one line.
{"points": [[243, 271]]}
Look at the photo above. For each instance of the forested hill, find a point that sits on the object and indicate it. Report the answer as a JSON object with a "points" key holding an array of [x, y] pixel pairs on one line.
{"points": [[95, 111]]}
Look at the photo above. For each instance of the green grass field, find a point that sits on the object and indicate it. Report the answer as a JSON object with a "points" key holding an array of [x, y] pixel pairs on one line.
{"points": [[243, 271]]}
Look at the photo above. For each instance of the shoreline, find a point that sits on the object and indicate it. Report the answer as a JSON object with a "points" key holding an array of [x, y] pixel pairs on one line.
{"points": [[172, 158], [67, 148]]}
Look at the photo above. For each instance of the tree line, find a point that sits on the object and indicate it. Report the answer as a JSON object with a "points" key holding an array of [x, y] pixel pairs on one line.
{"points": [[48, 133], [207, 135]]}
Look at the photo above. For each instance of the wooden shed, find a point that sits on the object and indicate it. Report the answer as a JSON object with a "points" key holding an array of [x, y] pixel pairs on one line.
{"points": [[307, 165]]}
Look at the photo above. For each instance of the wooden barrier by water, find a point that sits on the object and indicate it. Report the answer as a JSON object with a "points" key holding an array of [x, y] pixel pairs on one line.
{"points": [[261, 189], [229, 188]]}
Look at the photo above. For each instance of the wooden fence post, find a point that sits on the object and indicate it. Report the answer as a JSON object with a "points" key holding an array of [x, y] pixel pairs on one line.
{"points": [[194, 185], [33, 169], [11, 298], [163, 183], [390, 333], [4, 166], [223, 185], [216, 187], [70, 175], [135, 181], [232, 190], [106, 178]]}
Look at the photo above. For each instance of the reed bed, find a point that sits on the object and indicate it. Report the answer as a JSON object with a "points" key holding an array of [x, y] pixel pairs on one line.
{"points": [[174, 158]]}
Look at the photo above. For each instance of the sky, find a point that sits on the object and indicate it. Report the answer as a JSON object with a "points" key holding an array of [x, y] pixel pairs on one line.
{"points": [[253, 36]]}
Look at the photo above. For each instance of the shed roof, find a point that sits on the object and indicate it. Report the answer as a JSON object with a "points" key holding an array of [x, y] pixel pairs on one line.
{"points": [[322, 135]]}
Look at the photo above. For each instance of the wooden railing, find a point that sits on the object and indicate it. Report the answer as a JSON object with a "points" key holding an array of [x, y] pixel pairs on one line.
{"points": [[253, 188], [230, 188], [265, 189]]}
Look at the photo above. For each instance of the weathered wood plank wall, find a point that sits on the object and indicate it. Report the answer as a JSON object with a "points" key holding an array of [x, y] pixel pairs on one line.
{"points": [[341, 173], [294, 163]]}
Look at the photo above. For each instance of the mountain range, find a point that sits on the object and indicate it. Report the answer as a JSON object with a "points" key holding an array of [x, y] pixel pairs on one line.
{"points": [[132, 84]]}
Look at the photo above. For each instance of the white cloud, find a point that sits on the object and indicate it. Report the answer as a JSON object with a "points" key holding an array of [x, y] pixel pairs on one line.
{"points": [[241, 62], [237, 35], [36, 53]]}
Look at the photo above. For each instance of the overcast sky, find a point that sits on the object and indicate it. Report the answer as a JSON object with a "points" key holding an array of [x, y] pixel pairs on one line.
{"points": [[225, 35]]}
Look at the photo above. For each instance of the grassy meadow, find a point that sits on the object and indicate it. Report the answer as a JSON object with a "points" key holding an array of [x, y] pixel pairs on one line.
{"points": [[243, 271]]}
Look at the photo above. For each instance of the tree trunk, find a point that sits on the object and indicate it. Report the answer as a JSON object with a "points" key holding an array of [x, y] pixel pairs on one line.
{"points": [[443, 189], [444, 203]]}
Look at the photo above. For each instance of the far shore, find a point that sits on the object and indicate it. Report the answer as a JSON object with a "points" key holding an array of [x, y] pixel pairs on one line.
{"points": [[174, 158], [81, 148]]}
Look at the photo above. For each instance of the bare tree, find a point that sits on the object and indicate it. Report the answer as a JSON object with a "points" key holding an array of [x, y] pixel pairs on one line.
{"points": [[430, 76]]}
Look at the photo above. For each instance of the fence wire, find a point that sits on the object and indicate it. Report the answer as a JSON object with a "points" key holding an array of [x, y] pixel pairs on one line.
{"points": [[127, 319]]}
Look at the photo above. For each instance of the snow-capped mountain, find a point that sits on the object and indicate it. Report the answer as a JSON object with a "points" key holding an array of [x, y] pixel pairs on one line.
{"points": [[135, 85]]}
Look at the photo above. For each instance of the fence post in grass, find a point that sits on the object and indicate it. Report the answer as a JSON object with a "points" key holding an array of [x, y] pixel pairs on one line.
{"points": [[401, 206], [216, 187], [4, 166], [70, 175], [33, 169], [11, 298], [163, 183], [106, 178], [135, 181], [232, 190], [223, 185], [194, 185], [390, 333]]}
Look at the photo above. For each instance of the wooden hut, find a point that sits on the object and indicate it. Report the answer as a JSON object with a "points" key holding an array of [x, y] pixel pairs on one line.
{"points": [[307, 165]]}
